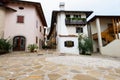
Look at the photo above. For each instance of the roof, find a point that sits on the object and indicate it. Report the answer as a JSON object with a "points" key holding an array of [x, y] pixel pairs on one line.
{"points": [[54, 15], [103, 16], [36, 4]]}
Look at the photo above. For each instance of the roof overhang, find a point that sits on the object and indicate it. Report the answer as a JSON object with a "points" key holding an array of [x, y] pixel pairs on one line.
{"points": [[103, 16], [88, 13], [11, 9]]}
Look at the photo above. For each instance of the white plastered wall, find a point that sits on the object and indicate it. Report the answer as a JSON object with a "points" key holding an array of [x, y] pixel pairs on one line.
{"points": [[69, 50], [62, 29], [112, 49]]}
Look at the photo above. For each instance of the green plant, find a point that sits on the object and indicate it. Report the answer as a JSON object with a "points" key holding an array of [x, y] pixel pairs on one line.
{"points": [[84, 44], [84, 19], [78, 18], [68, 18], [32, 47], [5, 45], [74, 18]]}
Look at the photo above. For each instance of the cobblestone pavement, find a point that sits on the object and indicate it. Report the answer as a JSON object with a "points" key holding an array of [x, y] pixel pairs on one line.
{"points": [[50, 65]]}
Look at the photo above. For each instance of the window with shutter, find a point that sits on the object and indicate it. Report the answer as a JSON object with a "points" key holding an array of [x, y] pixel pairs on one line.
{"points": [[20, 19]]}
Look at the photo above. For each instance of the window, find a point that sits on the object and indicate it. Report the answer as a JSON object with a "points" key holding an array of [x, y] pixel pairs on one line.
{"points": [[40, 28], [79, 30], [77, 16], [69, 44], [36, 40], [67, 16], [20, 19]]}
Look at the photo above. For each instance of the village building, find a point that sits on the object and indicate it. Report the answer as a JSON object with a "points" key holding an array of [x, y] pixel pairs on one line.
{"points": [[104, 30], [65, 28], [23, 23]]}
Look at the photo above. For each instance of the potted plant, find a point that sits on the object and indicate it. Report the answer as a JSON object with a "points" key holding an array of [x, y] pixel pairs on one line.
{"points": [[84, 19], [32, 47], [84, 45]]}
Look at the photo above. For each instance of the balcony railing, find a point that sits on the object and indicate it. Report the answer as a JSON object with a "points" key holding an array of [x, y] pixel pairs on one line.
{"points": [[75, 21]]}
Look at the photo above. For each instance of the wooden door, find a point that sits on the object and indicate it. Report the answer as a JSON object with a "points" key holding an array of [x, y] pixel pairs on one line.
{"points": [[19, 43]]}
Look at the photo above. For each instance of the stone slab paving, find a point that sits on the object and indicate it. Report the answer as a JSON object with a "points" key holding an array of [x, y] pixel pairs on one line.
{"points": [[50, 65]]}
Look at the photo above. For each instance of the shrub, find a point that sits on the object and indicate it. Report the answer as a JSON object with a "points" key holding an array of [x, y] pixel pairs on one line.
{"points": [[32, 47], [84, 44], [5, 45]]}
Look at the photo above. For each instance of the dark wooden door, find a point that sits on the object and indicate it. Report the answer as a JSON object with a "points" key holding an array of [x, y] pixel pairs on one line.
{"points": [[19, 43]]}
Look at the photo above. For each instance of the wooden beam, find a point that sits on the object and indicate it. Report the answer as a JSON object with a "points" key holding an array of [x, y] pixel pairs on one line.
{"points": [[118, 27], [113, 21], [116, 23]]}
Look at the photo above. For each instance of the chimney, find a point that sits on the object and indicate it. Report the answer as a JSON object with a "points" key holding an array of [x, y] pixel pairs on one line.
{"points": [[62, 6]]}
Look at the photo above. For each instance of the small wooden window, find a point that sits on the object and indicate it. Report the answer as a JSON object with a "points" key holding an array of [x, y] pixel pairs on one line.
{"points": [[79, 30], [20, 19], [69, 44]]}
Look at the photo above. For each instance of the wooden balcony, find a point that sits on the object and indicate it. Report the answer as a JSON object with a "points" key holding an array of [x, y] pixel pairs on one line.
{"points": [[75, 22]]}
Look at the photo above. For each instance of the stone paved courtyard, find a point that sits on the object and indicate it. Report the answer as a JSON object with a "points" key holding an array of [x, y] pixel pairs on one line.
{"points": [[50, 65]]}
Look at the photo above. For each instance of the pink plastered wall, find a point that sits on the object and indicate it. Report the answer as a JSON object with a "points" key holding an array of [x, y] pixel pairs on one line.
{"points": [[27, 29]]}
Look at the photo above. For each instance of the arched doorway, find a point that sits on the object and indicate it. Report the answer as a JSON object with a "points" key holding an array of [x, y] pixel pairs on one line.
{"points": [[19, 43]]}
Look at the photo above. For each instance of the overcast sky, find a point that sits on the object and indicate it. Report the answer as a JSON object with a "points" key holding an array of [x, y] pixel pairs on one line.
{"points": [[100, 7]]}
